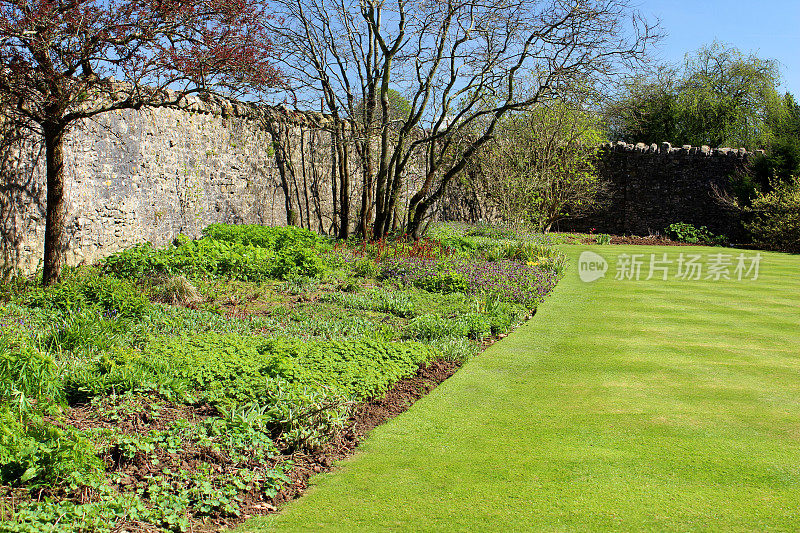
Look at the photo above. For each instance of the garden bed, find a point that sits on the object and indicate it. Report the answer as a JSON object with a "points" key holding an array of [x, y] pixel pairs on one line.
{"points": [[188, 387]]}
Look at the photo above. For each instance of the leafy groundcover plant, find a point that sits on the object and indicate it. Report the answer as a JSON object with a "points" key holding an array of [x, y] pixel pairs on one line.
{"points": [[167, 387]]}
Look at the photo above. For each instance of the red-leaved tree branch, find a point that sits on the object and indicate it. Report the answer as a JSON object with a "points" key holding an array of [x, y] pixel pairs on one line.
{"points": [[66, 60]]}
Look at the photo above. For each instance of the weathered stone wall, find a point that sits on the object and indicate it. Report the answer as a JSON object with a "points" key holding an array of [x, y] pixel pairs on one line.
{"points": [[647, 189], [135, 176], [149, 175], [651, 187]]}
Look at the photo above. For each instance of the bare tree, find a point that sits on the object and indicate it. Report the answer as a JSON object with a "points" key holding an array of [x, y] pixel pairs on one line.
{"points": [[459, 63]]}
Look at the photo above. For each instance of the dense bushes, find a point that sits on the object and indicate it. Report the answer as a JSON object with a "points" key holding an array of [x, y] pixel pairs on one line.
{"points": [[360, 369], [26, 374], [231, 369], [247, 253], [200, 258], [87, 288], [688, 233], [248, 370], [775, 217], [272, 238], [40, 454]]}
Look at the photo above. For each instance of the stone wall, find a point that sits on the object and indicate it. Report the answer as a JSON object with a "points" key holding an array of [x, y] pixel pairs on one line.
{"points": [[647, 188], [149, 175], [651, 187]]}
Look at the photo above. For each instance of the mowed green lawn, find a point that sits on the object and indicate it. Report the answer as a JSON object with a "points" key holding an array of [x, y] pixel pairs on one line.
{"points": [[626, 405]]}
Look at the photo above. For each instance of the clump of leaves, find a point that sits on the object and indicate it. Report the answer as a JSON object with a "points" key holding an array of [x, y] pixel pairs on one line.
{"points": [[393, 302], [27, 375], [81, 288], [774, 218], [273, 238], [176, 290], [212, 258], [301, 285], [38, 453], [688, 233], [365, 268]]}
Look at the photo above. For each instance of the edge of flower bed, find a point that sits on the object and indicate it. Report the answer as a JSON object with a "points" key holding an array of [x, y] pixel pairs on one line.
{"points": [[366, 417]]}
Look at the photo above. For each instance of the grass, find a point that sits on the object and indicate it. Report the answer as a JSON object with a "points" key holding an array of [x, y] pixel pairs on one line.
{"points": [[623, 405]]}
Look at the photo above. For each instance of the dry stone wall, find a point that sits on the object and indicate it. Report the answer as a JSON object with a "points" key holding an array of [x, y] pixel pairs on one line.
{"points": [[149, 175], [647, 188], [650, 187]]}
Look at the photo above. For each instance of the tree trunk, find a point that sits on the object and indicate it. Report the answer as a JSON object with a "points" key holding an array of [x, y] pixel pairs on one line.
{"points": [[344, 185], [56, 210], [282, 158], [365, 219], [334, 176]]}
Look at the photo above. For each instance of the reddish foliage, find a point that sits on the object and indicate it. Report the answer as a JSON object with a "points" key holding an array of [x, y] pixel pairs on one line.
{"points": [[59, 60], [404, 246], [56, 55]]}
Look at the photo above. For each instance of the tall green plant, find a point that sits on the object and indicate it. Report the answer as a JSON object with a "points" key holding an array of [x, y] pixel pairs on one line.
{"points": [[540, 168], [775, 217]]}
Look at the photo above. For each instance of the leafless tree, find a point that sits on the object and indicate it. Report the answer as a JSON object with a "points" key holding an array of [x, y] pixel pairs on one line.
{"points": [[461, 64]]}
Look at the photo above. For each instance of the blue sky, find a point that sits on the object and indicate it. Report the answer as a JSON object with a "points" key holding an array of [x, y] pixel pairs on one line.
{"points": [[768, 28]]}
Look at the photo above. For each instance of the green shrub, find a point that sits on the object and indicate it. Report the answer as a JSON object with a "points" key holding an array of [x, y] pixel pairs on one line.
{"points": [[431, 327], [304, 416], [603, 238], [683, 232], [26, 375], [82, 330], [490, 316], [233, 369], [366, 268], [299, 261], [66, 516], [393, 302], [460, 245], [115, 371], [211, 258], [87, 287], [301, 285], [454, 348], [775, 217], [364, 368], [36, 453], [273, 238], [201, 258], [227, 369], [445, 282]]}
